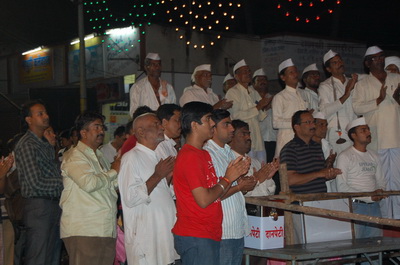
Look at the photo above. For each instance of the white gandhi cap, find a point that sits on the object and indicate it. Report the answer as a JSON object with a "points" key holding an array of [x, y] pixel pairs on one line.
{"points": [[329, 55], [259, 72], [392, 60], [285, 64], [153, 56], [318, 115], [372, 50], [311, 67], [203, 67], [355, 123], [239, 64], [228, 77]]}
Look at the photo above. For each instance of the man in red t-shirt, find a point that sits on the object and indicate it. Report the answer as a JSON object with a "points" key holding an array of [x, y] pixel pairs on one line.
{"points": [[198, 229]]}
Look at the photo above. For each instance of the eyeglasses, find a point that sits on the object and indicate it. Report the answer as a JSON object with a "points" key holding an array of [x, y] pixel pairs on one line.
{"points": [[309, 122]]}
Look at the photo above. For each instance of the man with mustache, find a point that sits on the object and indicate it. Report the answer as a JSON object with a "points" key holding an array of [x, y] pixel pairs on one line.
{"points": [[148, 207], [89, 198], [377, 98], [335, 95], [361, 172], [310, 80], [41, 186]]}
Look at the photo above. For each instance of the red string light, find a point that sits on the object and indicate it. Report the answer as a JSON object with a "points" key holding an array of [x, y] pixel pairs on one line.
{"points": [[317, 10]]}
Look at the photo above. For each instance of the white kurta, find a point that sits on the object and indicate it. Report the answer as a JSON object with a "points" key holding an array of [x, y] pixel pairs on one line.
{"points": [[142, 93], [148, 219], [329, 107], [383, 120], [109, 151], [267, 129], [244, 108], [311, 98], [196, 93], [284, 105], [166, 148], [361, 172]]}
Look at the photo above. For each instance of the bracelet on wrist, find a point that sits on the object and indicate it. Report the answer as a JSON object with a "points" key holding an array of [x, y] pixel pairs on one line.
{"points": [[222, 186], [227, 180]]}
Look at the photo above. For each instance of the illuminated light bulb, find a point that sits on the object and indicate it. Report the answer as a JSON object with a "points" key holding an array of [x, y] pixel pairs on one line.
{"points": [[162, 2], [307, 20], [183, 6], [168, 11], [201, 29], [190, 12], [287, 14], [193, 3], [202, 46], [186, 22], [322, 0], [225, 14], [175, 8], [181, 16], [181, 36], [188, 42], [194, 27], [300, 3], [208, 3], [170, 20], [177, 29], [230, 4], [279, 6], [239, 5], [330, 11], [297, 18], [226, 28], [205, 17], [217, 22], [195, 46], [232, 17], [199, 6], [212, 13], [219, 36], [209, 27], [212, 43], [311, 4], [196, 16], [219, 5], [317, 18], [338, 2]]}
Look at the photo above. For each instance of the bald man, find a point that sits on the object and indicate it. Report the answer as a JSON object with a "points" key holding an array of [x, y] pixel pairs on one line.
{"points": [[149, 210]]}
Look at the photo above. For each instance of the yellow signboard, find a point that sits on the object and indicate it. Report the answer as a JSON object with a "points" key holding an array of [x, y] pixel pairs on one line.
{"points": [[36, 67]]}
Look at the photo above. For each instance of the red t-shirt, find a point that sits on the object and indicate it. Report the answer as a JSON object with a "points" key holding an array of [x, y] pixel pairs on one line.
{"points": [[128, 144], [193, 169]]}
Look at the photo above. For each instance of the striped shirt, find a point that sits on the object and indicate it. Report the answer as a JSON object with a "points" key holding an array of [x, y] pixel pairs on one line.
{"points": [[304, 158], [234, 224], [39, 175]]}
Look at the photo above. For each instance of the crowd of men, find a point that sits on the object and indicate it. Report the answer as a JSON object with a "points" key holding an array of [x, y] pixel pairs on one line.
{"points": [[182, 172]]}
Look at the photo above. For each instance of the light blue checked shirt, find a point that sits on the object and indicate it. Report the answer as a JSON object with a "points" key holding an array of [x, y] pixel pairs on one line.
{"points": [[234, 224]]}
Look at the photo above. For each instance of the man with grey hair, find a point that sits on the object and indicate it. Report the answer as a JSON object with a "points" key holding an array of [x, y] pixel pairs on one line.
{"points": [[149, 209], [151, 91], [201, 91]]}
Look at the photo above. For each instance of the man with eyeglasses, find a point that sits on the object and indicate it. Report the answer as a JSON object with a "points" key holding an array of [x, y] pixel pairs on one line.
{"points": [[377, 98], [304, 158], [335, 95], [310, 81], [89, 198], [201, 89]]}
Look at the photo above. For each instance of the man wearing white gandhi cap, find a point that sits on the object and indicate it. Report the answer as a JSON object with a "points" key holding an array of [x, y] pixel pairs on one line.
{"points": [[228, 83], [286, 103], [310, 79], [335, 100], [376, 97], [248, 106], [201, 91], [361, 172], [151, 91], [392, 64]]}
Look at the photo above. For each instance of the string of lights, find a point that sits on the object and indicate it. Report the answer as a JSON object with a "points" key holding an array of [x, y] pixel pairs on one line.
{"points": [[307, 10]]}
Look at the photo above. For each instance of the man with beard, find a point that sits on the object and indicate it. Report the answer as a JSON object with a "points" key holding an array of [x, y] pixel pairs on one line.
{"points": [[311, 80], [41, 186], [234, 224], [201, 89], [248, 106], [304, 158], [361, 172], [151, 91], [89, 198], [376, 97], [286, 103], [335, 95], [148, 207]]}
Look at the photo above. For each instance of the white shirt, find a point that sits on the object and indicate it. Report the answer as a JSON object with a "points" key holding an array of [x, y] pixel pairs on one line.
{"points": [[284, 105], [326, 148], [166, 148], [383, 120], [267, 129], [265, 188], [234, 223], [148, 219], [196, 93], [310, 97], [361, 172], [109, 151], [329, 107], [142, 93], [244, 108]]}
